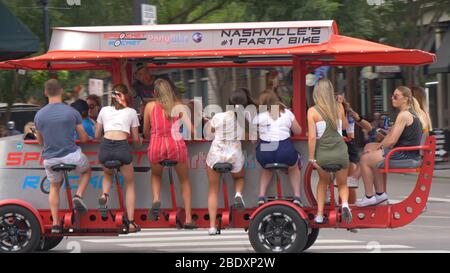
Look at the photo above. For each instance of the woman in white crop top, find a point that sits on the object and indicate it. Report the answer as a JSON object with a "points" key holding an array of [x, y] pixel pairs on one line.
{"points": [[275, 146], [118, 122]]}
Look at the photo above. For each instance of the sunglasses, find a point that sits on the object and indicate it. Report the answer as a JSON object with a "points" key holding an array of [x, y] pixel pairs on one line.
{"points": [[396, 97], [92, 106]]}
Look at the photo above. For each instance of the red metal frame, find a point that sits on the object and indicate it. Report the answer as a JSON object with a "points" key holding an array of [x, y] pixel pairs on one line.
{"points": [[225, 218], [298, 209], [386, 168], [279, 189], [383, 216]]}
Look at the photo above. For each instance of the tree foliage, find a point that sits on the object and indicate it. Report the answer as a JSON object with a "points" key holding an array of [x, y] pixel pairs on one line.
{"points": [[396, 22]]}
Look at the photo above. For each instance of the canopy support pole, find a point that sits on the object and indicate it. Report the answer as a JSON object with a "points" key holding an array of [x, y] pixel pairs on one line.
{"points": [[299, 93], [116, 77]]}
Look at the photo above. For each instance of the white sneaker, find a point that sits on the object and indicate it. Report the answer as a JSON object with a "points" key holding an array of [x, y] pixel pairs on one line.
{"points": [[381, 198], [346, 214], [319, 219], [239, 202], [352, 182], [364, 202], [212, 231]]}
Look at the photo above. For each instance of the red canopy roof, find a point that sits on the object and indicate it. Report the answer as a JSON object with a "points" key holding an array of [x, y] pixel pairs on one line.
{"points": [[339, 50]]}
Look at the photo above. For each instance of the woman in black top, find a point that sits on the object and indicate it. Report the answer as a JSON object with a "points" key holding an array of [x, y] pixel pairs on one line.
{"points": [[407, 131]]}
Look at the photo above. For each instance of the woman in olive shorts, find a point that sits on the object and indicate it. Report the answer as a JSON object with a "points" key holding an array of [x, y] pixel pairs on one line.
{"points": [[326, 146], [117, 122]]}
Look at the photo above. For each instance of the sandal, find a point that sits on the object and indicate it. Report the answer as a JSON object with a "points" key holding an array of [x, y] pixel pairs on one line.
{"points": [[154, 211], [190, 225], [298, 201], [103, 208], [136, 227], [57, 229], [79, 204], [262, 200]]}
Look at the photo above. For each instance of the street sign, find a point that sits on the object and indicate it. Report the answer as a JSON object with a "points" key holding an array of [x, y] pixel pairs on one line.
{"points": [[388, 69], [148, 14], [442, 139], [96, 87]]}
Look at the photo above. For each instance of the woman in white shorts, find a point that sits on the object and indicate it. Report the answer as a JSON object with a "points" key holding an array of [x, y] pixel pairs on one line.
{"points": [[228, 129]]}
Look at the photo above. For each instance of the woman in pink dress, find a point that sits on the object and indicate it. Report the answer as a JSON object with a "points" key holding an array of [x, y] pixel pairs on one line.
{"points": [[162, 122]]}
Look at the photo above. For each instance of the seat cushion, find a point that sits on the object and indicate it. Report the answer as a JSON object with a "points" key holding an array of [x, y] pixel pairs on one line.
{"points": [[401, 164], [222, 167], [63, 167], [276, 166], [168, 163], [332, 168], [113, 164]]}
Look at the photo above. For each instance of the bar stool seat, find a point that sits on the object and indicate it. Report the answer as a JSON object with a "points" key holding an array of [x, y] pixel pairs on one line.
{"points": [[63, 167], [168, 163], [276, 166], [223, 167], [113, 164], [331, 168]]}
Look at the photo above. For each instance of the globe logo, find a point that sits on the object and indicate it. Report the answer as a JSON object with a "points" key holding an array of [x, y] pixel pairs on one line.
{"points": [[197, 37]]}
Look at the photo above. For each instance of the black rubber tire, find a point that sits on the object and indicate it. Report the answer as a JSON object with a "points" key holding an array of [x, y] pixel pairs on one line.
{"points": [[312, 237], [293, 219], [34, 227], [42, 186], [51, 242]]}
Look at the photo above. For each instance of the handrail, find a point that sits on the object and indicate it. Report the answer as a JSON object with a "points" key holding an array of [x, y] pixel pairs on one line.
{"points": [[408, 148]]}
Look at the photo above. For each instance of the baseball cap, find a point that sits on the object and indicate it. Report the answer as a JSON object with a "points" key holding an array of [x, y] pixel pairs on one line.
{"points": [[139, 66]]}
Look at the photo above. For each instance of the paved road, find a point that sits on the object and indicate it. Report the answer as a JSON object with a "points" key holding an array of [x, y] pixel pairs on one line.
{"points": [[429, 233]]}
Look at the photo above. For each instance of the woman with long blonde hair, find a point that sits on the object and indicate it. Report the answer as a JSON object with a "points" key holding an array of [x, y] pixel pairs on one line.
{"points": [[421, 108], [326, 146], [162, 124], [407, 131]]}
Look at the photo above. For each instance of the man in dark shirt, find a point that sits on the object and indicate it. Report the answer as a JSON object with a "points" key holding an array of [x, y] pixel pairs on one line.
{"points": [[143, 85], [56, 124]]}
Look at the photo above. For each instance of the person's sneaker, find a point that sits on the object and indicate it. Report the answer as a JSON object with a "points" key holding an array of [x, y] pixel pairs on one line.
{"points": [[346, 214], [319, 219], [297, 201], [213, 231], [79, 204], [381, 198], [102, 205], [57, 229], [352, 182], [154, 211], [239, 202], [364, 202], [262, 200]]}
